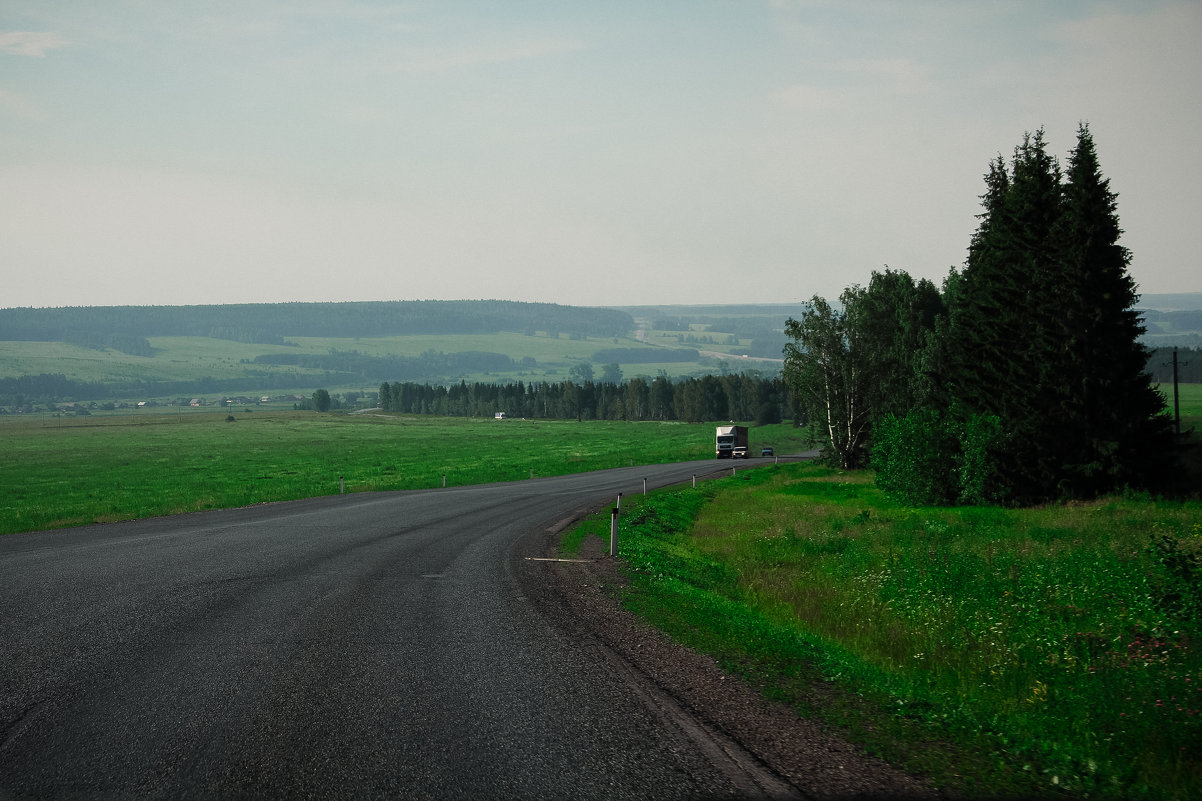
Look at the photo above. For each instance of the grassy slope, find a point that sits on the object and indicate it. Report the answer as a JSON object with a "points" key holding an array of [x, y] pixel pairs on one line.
{"points": [[1007, 652]]}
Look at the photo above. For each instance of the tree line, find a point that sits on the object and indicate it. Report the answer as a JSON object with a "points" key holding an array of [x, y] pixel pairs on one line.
{"points": [[1022, 379], [21, 393], [1189, 365], [730, 397]]}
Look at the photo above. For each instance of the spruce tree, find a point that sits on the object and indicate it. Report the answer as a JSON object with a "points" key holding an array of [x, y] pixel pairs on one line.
{"points": [[1114, 433], [1002, 326], [1043, 334]]}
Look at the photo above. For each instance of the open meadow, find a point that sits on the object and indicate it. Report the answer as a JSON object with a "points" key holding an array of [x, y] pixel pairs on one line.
{"points": [[1044, 652], [64, 471]]}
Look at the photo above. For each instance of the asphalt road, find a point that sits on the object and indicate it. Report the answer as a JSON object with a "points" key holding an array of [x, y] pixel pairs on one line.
{"points": [[374, 645]]}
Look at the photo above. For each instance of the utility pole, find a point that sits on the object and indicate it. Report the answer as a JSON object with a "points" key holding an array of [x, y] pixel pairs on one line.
{"points": [[1176, 403]]}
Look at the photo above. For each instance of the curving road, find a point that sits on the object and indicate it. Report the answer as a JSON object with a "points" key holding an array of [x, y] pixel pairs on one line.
{"points": [[351, 646]]}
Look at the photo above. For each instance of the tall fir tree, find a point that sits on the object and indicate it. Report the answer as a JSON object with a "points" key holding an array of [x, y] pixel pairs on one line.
{"points": [[1002, 322], [1114, 433], [1043, 333]]}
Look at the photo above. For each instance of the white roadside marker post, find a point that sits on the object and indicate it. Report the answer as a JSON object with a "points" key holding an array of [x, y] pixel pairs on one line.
{"points": [[613, 530]]}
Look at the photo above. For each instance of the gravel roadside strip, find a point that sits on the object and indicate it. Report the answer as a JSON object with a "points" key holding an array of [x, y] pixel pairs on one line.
{"points": [[766, 749]]}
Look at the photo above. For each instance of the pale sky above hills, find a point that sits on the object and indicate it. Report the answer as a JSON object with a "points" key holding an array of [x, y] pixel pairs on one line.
{"points": [[585, 153]]}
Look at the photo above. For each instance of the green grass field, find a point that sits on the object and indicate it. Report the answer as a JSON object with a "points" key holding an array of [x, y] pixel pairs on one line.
{"points": [[1007, 653], [78, 470]]}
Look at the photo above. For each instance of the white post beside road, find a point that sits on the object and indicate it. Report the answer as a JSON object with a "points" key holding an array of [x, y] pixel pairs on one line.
{"points": [[613, 530]]}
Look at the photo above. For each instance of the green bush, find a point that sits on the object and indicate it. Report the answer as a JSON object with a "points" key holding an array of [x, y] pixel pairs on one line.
{"points": [[978, 463], [926, 459], [915, 458]]}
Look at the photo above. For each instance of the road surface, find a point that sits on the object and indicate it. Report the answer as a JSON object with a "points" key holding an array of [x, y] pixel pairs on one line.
{"points": [[373, 645]]}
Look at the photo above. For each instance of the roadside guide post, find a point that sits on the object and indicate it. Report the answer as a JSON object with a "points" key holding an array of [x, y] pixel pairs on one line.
{"points": [[613, 530]]}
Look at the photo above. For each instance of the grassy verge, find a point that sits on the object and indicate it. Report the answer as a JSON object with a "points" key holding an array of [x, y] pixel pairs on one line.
{"points": [[74, 471], [1003, 652]]}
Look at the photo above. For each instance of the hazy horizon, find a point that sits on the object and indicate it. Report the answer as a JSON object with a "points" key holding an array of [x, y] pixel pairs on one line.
{"points": [[699, 153]]}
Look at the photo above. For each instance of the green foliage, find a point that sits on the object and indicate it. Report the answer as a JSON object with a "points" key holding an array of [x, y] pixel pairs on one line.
{"points": [[1013, 653], [849, 368], [1044, 334], [914, 458], [690, 399], [928, 459], [321, 400], [982, 439], [825, 370]]}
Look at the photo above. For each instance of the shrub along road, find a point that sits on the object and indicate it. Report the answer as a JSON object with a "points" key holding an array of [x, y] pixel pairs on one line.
{"points": [[373, 644]]}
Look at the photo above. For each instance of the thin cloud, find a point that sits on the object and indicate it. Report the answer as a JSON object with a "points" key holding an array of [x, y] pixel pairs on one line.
{"points": [[30, 43], [439, 59]]}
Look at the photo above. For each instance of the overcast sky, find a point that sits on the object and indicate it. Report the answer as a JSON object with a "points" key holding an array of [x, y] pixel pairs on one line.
{"points": [[590, 153]]}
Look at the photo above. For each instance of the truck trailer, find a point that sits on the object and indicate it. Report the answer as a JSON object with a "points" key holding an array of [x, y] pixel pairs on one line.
{"points": [[730, 442]]}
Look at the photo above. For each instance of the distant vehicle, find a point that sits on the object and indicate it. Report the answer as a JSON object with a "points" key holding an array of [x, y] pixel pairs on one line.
{"points": [[766, 452], [730, 442]]}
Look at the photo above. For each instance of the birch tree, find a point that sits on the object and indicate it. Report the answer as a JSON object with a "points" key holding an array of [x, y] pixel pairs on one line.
{"points": [[824, 369]]}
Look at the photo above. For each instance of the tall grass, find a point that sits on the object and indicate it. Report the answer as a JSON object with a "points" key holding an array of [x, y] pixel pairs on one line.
{"points": [[1057, 649]]}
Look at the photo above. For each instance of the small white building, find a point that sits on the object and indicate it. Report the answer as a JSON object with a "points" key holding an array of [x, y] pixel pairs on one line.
{"points": [[499, 416]]}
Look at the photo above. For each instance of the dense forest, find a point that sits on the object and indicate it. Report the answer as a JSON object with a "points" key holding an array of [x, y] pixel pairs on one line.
{"points": [[125, 328], [1023, 380], [728, 397]]}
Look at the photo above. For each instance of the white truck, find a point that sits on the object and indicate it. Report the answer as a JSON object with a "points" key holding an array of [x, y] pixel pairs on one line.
{"points": [[730, 442]]}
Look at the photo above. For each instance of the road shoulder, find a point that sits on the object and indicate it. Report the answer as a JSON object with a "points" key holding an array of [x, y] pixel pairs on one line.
{"points": [[769, 749]]}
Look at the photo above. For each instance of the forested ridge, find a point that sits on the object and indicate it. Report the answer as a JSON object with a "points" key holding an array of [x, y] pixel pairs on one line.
{"points": [[126, 327]]}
